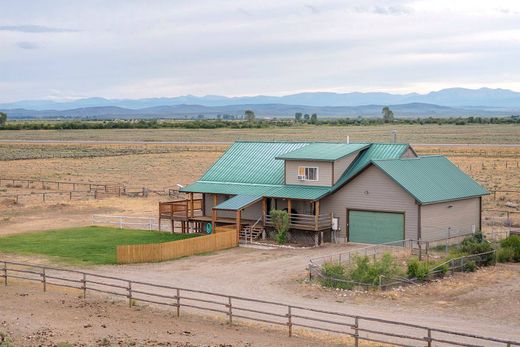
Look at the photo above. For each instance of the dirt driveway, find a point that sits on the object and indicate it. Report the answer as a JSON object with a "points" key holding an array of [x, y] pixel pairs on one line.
{"points": [[486, 302]]}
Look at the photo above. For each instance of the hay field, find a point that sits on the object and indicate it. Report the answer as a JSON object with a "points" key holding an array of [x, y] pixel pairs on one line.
{"points": [[487, 134]]}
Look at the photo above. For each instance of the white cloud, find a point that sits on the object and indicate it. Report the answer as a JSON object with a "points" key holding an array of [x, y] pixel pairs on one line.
{"points": [[163, 48]]}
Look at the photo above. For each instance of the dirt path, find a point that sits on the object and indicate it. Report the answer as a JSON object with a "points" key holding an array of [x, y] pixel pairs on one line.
{"points": [[486, 303], [32, 318]]}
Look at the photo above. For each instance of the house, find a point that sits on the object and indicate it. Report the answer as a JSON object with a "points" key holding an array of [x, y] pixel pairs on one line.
{"points": [[366, 192]]}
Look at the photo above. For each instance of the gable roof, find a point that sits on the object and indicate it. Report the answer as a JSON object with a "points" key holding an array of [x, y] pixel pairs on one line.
{"points": [[322, 151], [251, 162], [431, 179], [375, 151], [252, 168]]}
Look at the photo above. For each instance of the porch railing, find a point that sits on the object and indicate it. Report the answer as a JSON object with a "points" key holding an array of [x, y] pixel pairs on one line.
{"points": [[179, 208], [306, 221]]}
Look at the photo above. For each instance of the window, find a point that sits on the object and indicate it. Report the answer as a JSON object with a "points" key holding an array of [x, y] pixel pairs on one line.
{"points": [[307, 173]]}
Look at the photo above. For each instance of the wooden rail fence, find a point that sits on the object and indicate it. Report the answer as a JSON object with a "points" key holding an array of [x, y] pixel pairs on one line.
{"points": [[223, 238], [358, 328]]}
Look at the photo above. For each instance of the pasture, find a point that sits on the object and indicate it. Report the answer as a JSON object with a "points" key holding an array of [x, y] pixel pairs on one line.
{"points": [[89, 245]]}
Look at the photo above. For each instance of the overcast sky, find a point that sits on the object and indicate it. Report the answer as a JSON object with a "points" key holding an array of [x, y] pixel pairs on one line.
{"points": [[134, 49]]}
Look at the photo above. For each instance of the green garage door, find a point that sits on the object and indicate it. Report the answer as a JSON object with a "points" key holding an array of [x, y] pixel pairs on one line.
{"points": [[375, 227]]}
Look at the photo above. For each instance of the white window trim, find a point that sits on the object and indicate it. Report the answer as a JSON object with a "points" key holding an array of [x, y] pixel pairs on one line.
{"points": [[305, 176]]}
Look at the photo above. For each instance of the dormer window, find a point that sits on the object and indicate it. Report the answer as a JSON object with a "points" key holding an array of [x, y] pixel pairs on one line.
{"points": [[306, 173]]}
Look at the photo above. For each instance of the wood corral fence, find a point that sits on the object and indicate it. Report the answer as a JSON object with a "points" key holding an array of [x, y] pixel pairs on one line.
{"points": [[223, 238], [236, 308]]}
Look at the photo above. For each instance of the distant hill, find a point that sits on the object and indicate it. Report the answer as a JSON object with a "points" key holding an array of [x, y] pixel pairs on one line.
{"points": [[261, 110], [446, 102]]}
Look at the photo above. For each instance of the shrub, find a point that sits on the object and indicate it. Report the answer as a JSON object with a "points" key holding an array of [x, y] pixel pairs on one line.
{"points": [[334, 276], [470, 266], [512, 242], [280, 221], [365, 271], [505, 255], [477, 244], [418, 269]]}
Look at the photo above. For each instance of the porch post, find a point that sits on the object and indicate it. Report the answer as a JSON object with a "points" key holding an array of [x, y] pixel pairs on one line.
{"points": [[191, 205], [213, 220], [316, 214], [238, 223], [264, 209], [289, 207]]}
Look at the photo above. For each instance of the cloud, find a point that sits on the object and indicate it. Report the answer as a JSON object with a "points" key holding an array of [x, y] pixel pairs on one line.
{"points": [[34, 29], [385, 10], [26, 45]]}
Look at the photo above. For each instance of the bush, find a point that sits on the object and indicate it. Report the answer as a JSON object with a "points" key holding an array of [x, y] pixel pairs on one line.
{"points": [[280, 221], [477, 244], [362, 271], [418, 269], [334, 276], [505, 255], [512, 242], [470, 266], [365, 271]]}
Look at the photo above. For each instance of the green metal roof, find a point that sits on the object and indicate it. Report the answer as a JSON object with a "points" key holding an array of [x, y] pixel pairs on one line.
{"points": [[227, 188], [375, 151], [323, 151], [298, 192], [431, 179], [251, 169], [274, 191], [238, 202], [251, 162]]}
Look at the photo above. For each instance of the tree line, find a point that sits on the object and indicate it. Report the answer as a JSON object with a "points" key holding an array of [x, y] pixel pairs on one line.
{"points": [[248, 121]]}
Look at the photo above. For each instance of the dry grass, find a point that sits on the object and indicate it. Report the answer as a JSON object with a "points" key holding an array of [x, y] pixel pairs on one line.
{"points": [[491, 133]]}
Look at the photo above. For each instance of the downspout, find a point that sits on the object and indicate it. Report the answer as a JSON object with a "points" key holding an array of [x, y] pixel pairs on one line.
{"points": [[480, 214], [419, 223]]}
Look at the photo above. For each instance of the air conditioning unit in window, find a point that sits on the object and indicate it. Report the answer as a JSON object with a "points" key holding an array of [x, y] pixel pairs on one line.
{"points": [[301, 178]]}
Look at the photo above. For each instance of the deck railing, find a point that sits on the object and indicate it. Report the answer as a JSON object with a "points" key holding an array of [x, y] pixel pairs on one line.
{"points": [[306, 221], [169, 209]]}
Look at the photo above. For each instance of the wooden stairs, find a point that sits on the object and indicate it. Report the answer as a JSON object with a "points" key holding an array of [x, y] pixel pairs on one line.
{"points": [[248, 231]]}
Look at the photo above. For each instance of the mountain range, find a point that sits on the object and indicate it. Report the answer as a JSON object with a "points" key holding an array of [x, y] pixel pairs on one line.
{"points": [[445, 102]]}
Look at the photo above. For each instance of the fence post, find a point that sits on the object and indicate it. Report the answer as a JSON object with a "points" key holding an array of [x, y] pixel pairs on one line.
{"points": [[44, 280], [130, 294], [5, 273], [356, 332], [178, 297], [84, 287], [429, 338], [289, 320], [230, 311], [120, 222]]}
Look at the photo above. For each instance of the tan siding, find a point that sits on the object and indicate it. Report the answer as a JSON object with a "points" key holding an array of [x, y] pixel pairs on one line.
{"points": [[409, 154], [324, 172], [342, 164], [383, 195], [437, 218]]}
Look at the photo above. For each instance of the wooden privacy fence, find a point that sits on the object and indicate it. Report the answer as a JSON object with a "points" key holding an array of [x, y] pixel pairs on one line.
{"points": [[236, 308], [222, 239]]}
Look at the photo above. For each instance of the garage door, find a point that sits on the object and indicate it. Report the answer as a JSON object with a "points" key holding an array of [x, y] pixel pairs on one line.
{"points": [[375, 227]]}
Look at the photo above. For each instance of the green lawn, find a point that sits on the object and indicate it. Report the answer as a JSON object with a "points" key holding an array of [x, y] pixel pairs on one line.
{"points": [[89, 245]]}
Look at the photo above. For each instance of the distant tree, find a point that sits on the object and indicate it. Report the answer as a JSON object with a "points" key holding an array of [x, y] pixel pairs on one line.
{"points": [[298, 116], [388, 115], [3, 119], [306, 117], [249, 115], [314, 118]]}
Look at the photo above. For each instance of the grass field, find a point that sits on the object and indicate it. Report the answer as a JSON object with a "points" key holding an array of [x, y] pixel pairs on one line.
{"points": [[489, 134], [88, 245]]}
